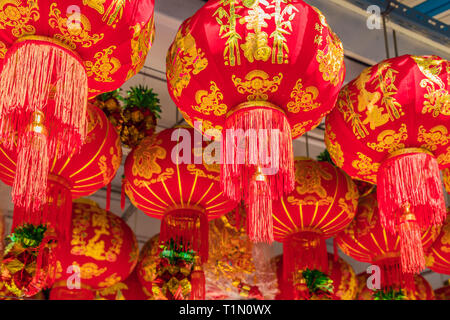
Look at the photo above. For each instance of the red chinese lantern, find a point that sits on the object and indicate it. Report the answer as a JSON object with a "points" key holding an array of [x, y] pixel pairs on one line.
{"points": [[366, 240], [345, 284], [50, 54], [443, 293], [81, 173], [172, 178], [237, 268], [422, 290], [130, 289], [102, 252], [322, 204], [390, 127], [230, 69], [438, 255]]}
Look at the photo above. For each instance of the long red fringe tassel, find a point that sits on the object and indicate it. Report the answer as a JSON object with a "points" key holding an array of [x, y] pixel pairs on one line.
{"points": [[41, 77], [301, 251], [259, 218], [30, 181], [414, 179], [198, 283], [392, 275], [257, 137], [188, 227], [412, 256], [56, 214], [411, 180]]}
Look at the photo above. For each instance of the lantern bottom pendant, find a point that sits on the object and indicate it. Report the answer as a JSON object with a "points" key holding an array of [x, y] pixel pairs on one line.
{"points": [[410, 198], [257, 162]]}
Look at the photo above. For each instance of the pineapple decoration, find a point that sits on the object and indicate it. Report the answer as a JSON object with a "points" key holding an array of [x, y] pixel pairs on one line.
{"points": [[140, 111], [136, 117]]}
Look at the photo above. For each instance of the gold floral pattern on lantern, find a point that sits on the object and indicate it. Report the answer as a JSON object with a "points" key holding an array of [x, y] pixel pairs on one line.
{"points": [[109, 281], [300, 128], [330, 63], [437, 135], [308, 176], [366, 167], [103, 66], [304, 99], [257, 84], [93, 247], [444, 158], [3, 50], [16, 14], [334, 148], [390, 140], [211, 101], [148, 153], [142, 36], [437, 98], [89, 270], [351, 198], [181, 64], [72, 32]]}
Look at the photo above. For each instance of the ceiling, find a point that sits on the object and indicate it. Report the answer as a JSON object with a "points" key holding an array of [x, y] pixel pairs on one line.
{"points": [[438, 9]]}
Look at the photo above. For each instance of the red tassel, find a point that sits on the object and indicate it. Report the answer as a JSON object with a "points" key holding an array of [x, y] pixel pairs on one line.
{"points": [[108, 197], [412, 256], [189, 227], [30, 180], [258, 135], [392, 275], [122, 195], [259, 218], [43, 90], [412, 178], [198, 283], [304, 250]]}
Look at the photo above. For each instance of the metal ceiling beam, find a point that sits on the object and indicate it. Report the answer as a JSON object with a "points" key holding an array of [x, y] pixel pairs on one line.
{"points": [[410, 18]]}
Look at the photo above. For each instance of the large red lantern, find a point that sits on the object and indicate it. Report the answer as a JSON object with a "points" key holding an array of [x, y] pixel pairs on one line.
{"points": [[345, 284], [366, 240], [322, 204], [81, 173], [53, 57], [102, 252], [171, 177], [438, 255], [390, 127], [422, 290], [230, 69]]}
